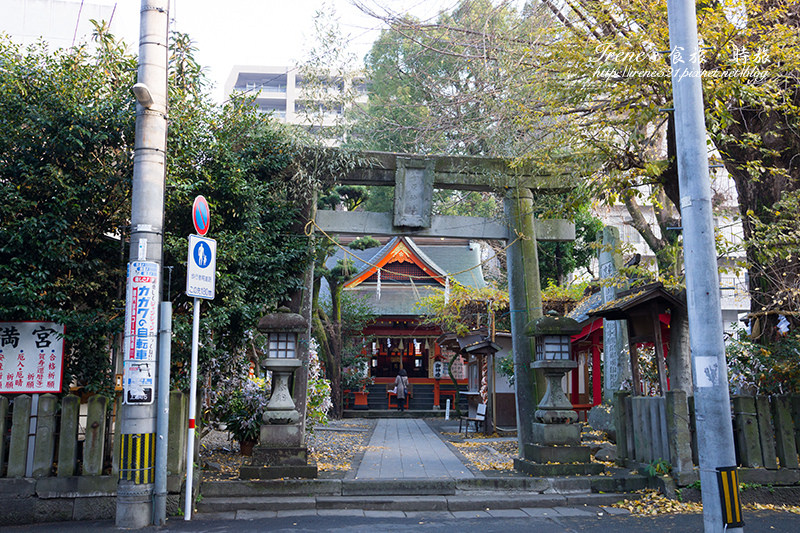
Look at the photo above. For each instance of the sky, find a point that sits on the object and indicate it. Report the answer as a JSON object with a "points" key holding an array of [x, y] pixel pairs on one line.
{"points": [[227, 33]]}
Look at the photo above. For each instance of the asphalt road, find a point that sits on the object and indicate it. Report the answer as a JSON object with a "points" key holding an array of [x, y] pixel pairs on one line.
{"points": [[755, 522]]}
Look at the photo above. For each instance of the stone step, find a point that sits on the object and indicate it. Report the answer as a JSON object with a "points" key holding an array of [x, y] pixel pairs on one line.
{"points": [[474, 501], [396, 487]]}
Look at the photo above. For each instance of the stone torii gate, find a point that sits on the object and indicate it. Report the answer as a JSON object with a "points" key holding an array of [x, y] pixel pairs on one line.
{"points": [[415, 177]]}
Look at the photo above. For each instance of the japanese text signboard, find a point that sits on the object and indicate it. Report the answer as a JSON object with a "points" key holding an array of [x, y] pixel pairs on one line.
{"points": [[31, 357], [141, 333], [202, 266]]}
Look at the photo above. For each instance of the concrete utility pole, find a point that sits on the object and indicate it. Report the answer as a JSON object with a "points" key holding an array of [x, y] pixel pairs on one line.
{"points": [[138, 419], [712, 407]]}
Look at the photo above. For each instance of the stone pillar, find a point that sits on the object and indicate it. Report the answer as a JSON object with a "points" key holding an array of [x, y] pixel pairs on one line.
{"points": [[94, 445], [45, 446], [765, 433], [176, 444], [748, 441], [525, 300], [678, 437], [621, 425], [18, 447], [616, 360], [784, 432], [68, 438]]}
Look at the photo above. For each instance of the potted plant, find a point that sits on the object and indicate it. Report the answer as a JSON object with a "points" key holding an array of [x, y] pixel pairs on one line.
{"points": [[242, 412], [356, 380]]}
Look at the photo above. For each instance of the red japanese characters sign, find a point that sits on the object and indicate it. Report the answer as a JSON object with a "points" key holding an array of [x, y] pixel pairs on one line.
{"points": [[31, 357], [141, 333]]}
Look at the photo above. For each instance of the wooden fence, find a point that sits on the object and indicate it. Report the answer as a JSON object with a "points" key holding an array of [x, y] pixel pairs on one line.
{"points": [[52, 441], [766, 430]]}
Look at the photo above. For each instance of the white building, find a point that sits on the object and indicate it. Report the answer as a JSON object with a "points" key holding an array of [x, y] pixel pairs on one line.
{"points": [[283, 92]]}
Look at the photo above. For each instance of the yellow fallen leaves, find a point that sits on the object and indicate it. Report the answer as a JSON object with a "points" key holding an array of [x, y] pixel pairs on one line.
{"points": [[499, 456], [334, 450], [653, 503], [772, 507]]}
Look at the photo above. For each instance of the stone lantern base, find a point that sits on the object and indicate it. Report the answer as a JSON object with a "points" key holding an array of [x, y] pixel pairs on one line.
{"points": [[556, 451], [281, 453]]}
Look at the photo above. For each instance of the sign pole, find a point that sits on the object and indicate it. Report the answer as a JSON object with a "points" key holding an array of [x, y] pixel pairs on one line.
{"points": [[187, 515], [201, 265], [162, 426]]}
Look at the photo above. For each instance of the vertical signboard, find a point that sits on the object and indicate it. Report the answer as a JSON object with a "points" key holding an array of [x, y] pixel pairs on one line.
{"points": [[31, 357], [141, 332], [202, 266]]}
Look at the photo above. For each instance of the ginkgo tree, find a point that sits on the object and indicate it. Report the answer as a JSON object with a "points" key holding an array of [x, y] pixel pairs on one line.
{"points": [[584, 86]]}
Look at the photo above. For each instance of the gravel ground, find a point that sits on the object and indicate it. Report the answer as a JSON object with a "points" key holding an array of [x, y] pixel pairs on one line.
{"points": [[333, 447], [338, 447]]}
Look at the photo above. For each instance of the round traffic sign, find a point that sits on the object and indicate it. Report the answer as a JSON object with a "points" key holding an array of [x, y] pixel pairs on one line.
{"points": [[201, 216]]}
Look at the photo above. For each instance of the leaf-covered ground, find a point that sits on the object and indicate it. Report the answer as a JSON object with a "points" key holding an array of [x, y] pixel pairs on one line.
{"points": [[653, 503], [332, 447], [337, 448]]}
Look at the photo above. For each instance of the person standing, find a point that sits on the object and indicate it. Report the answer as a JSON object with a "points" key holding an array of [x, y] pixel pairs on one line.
{"points": [[401, 388]]}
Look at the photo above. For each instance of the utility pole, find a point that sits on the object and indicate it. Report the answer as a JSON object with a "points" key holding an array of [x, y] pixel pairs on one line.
{"points": [[138, 414], [712, 404]]}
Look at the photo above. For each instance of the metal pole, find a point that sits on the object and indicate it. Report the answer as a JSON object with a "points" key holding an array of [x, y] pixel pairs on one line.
{"points": [[137, 422], [712, 404], [162, 433], [187, 515]]}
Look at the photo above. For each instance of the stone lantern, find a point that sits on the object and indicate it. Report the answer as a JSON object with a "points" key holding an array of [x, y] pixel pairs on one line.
{"points": [[282, 329], [556, 448], [281, 450], [552, 335]]}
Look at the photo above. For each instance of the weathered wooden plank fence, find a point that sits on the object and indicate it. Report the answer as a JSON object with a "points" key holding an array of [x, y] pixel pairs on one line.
{"points": [[650, 429], [60, 449]]}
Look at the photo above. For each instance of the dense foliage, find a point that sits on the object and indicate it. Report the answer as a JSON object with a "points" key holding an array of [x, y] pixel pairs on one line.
{"points": [[66, 138], [758, 369], [66, 142], [585, 85]]}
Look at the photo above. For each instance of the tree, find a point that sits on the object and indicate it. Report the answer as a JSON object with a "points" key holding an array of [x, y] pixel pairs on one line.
{"points": [[66, 140], [590, 82], [338, 321], [66, 137], [242, 162]]}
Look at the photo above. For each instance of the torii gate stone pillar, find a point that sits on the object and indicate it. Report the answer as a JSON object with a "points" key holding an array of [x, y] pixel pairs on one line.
{"points": [[414, 178]]}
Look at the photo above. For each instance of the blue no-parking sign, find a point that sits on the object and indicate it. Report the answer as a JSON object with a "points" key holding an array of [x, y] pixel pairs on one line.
{"points": [[202, 266]]}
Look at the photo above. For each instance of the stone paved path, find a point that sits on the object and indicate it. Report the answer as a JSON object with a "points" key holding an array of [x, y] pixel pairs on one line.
{"points": [[408, 448]]}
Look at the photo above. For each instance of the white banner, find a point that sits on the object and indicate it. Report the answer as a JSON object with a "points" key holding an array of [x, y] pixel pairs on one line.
{"points": [[141, 333], [31, 357]]}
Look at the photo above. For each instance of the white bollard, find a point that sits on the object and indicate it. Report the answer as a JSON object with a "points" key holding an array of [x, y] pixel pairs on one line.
{"points": [[447, 410]]}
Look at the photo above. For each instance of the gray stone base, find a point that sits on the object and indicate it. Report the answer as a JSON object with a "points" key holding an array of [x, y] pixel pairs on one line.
{"points": [[564, 469], [601, 417], [556, 433], [55, 499], [275, 472], [281, 435], [283, 456], [556, 454]]}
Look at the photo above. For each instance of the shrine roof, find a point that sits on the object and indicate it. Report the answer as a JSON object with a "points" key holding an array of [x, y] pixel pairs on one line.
{"points": [[629, 301], [461, 261]]}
